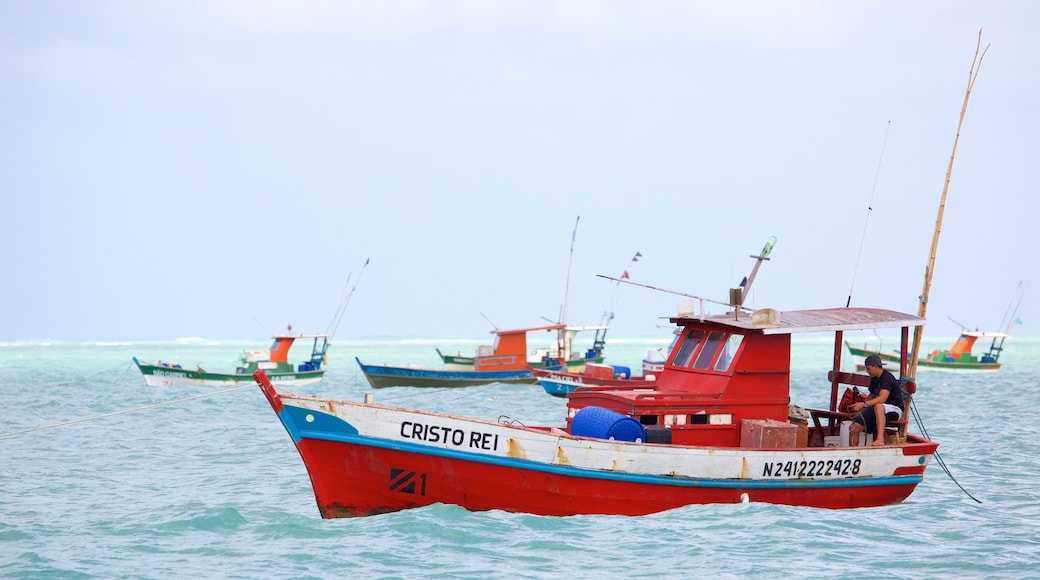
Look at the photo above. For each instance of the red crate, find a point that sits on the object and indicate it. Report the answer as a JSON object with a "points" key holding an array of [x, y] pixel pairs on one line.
{"points": [[768, 434]]}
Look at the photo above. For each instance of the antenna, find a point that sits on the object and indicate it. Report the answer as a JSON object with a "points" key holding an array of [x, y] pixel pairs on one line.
{"points": [[740, 292], [763, 256]]}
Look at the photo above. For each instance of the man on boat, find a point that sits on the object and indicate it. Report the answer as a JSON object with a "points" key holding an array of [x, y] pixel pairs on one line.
{"points": [[884, 393]]}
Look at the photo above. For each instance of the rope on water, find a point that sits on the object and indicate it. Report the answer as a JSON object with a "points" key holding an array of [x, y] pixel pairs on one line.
{"points": [[938, 458], [125, 411]]}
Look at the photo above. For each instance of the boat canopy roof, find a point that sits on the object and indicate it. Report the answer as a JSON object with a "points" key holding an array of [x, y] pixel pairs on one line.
{"points": [[798, 321], [575, 329], [531, 329], [977, 334]]}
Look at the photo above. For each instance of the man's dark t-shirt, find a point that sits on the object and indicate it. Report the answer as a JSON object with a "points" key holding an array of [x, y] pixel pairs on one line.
{"points": [[887, 381]]}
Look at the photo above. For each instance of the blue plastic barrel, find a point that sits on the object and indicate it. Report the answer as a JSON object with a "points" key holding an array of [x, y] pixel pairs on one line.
{"points": [[602, 423], [621, 372]]}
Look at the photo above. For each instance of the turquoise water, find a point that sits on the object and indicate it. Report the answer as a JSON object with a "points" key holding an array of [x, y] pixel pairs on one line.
{"points": [[212, 486]]}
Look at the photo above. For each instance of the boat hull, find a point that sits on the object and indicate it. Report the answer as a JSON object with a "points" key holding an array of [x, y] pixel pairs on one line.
{"points": [[366, 459], [860, 354], [561, 384], [454, 362], [382, 376], [163, 376]]}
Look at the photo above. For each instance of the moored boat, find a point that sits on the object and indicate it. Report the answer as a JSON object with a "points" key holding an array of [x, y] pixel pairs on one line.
{"points": [[274, 361], [503, 362], [957, 358], [561, 353], [561, 382], [714, 428]]}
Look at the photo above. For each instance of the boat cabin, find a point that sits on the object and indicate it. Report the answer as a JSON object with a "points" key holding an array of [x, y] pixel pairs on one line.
{"points": [[276, 358], [509, 353], [726, 370], [960, 352]]}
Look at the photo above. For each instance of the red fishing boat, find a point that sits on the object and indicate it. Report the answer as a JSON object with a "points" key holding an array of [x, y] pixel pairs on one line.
{"points": [[714, 428], [560, 382]]}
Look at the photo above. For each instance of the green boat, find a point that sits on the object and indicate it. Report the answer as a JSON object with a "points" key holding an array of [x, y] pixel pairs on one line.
{"points": [[274, 362], [956, 358]]}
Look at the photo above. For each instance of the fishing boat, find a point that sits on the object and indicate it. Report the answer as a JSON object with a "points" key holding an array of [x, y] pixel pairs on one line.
{"points": [[561, 353], [503, 362], [273, 361], [561, 382], [958, 357], [715, 427]]}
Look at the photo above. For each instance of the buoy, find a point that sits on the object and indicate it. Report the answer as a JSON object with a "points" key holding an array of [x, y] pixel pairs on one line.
{"points": [[744, 498]]}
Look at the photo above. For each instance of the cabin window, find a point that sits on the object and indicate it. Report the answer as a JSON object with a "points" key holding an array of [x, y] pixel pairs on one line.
{"points": [[699, 418], [732, 344], [711, 346], [686, 349]]}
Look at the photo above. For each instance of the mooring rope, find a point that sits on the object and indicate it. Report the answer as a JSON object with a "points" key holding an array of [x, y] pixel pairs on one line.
{"points": [[125, 411], [938, 458]]}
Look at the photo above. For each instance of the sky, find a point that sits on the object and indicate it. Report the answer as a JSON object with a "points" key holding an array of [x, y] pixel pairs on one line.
{"points": [[222, 169]]}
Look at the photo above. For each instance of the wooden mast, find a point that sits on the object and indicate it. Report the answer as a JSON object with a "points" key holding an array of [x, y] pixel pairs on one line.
{"points": [[976, 65]]}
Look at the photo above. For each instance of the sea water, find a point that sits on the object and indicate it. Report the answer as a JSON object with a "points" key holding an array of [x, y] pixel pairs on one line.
{"points": [[102, 476]]}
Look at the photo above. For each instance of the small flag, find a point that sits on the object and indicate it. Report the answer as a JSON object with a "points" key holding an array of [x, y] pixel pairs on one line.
{"points": [[1018, 321], [636, 257], [625, 275]]}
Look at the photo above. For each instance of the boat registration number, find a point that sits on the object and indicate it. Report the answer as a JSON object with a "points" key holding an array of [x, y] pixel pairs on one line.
{"points": [[812, 468]]}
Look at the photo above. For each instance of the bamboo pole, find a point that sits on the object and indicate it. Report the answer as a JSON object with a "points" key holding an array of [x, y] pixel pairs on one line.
{"points": [[922, 308]]}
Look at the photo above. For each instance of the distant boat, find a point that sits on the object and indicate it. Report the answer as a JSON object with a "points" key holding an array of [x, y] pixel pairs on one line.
{"points": [[561, 353], [503, 362], [274, 362], [562, 382], [958, 357]]}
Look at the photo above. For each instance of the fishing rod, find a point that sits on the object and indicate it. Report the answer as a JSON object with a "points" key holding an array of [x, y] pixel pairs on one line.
{"points": [[492, 323], [344, 300], [870, 208], [567, 286], [1011, 319]]}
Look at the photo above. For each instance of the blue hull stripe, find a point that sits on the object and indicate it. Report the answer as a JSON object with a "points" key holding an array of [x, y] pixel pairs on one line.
{"points": [[388, 371]]}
